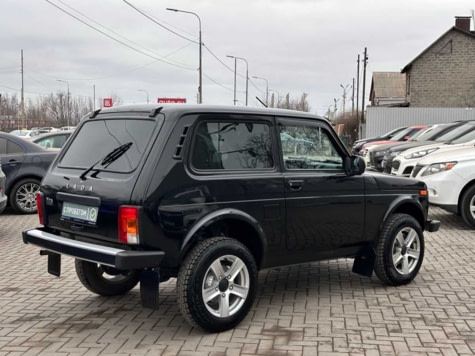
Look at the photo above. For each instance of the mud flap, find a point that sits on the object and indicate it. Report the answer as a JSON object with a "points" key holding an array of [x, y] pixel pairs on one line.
{"points": [[149, 288], [364, 264], [54, 262]]}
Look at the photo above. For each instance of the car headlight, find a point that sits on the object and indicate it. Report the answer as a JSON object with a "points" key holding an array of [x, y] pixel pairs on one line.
{"points": [[379, 153], [438, 167], [420, 154]]}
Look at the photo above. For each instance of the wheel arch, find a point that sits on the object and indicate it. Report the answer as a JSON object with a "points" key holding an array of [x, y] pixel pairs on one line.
{"points": [[231, 223], [405, 205], [462, 192]]}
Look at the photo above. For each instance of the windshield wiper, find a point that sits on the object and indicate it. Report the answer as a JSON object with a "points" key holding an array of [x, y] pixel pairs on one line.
{"points": [[108, 159]]}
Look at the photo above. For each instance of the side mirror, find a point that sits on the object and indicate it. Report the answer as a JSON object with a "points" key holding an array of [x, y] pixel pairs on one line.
{"points": [[354, 165]]}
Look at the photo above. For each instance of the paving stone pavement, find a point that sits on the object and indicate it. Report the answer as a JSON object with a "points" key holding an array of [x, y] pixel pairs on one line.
{"points": [[312, 309]]}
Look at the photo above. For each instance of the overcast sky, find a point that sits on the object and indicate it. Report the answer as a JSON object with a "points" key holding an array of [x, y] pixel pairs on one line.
{"points": [[298, 46]]}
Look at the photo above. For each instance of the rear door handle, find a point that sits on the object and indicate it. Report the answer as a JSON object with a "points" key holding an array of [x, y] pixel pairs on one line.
{"points": [[295, 184]]}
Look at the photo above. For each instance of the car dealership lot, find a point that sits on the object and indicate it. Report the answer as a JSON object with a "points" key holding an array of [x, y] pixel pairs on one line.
{"points": [[299, 310]]}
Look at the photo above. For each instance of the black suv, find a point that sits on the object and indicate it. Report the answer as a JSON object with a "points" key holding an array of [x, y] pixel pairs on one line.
{"points": [[211, 195]]}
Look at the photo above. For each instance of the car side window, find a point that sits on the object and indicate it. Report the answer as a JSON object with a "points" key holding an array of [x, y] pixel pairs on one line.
{"points": [[308, 147], [3, 146], [13, 148], [232, 146]]}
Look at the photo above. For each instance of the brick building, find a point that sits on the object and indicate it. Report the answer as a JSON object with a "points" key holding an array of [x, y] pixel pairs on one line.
{"points": [[443, 75]]}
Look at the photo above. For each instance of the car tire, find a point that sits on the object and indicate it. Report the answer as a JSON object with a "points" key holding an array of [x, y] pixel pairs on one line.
{"points": [[467, 206], [104, 280], [400, 251], [23, 196], [216, 284]]}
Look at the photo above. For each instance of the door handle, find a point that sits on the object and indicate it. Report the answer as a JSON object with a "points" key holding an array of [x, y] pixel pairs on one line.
{"points": [[295, 184]]}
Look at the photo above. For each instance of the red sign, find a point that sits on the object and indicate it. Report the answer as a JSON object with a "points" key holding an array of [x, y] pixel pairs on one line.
{"points": [[107, 102], [171, 100]]}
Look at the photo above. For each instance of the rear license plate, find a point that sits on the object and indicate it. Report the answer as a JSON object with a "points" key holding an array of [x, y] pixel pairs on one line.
{"points": [[79, 213]]}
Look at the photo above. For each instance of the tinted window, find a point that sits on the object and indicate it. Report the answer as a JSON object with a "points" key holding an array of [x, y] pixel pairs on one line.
{"points": [[232, 146], [52, 142], [98, 138], [13, 148], [308, 147], [3, 146]]}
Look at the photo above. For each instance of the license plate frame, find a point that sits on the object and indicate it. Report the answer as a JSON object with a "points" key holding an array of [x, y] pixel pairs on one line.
{"points": [[80, 213]]}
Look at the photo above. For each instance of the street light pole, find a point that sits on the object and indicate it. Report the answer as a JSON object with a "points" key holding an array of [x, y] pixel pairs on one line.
{"points": [[146, 92], [247, 74], [267, 88], [200, 69], [67, 103], [235, 60]]}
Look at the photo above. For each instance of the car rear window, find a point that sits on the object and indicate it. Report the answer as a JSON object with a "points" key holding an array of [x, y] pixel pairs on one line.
{"points": [[98, 138]]}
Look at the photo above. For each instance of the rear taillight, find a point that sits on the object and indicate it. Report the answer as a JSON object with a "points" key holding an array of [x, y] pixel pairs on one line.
{"points": [[39, 207], [129, 225]]}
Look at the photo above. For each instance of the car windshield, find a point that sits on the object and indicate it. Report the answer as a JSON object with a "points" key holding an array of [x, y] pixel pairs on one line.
{"points": [[408, 131], [97, 138], [429, 134], [455, 133], [393, 132], [469, 136]]}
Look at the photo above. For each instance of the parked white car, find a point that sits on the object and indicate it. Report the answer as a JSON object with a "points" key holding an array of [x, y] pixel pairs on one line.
{"points": [[67, 128], [404, 163], [26, 134], [450, 178]]}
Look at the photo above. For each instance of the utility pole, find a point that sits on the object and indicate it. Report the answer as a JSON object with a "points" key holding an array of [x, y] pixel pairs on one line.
{"points": [[353, 98], [94, 97], [22, 103], [365, 61], [358, 92]]}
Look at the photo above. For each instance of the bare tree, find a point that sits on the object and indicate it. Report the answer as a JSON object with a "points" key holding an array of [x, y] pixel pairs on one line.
{"points": [[300, 104]]}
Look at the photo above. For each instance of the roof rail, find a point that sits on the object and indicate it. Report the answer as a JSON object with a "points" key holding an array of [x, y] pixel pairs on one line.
{"points": [[94, 113], [155, 111]]}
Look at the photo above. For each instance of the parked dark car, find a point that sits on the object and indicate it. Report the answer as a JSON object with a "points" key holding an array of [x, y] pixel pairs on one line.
{"points": [[358, 144], [3, 196], [24, 164], [52, 140], [373, 162], [211, 195]]}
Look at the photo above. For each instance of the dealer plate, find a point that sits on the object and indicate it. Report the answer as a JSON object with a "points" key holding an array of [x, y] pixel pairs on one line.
{"points": [[80, 213]]}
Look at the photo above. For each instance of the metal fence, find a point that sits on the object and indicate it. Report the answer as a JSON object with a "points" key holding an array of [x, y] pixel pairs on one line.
{"points": [[383, 119]]}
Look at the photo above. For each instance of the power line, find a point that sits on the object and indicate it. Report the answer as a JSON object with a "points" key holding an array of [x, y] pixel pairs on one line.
{"points": [[3, 86], [179, 35], [119, 41], [156, 22]]}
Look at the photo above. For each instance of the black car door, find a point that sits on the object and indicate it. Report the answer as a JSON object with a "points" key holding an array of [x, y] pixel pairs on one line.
{"points": [[324, 206], [12, 159]]}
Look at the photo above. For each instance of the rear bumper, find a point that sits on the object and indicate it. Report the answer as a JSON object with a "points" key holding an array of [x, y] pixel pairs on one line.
{"points": [[432, 225], [105, 255]]}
